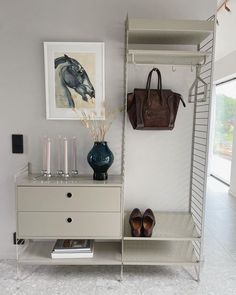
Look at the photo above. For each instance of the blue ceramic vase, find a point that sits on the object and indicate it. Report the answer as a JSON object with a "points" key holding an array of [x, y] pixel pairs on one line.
{"points": [[100, 158]]}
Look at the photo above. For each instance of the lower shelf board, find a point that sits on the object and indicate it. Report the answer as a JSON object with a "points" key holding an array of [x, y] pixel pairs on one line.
{"points": [[39, 252], [147, 252], [169, 226], [159, 253]]}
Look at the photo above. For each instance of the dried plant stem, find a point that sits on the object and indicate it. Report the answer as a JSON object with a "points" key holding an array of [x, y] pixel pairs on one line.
{"points": [[98, 128]]}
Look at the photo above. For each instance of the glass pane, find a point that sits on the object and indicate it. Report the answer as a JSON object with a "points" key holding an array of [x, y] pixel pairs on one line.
{"points": [[225, 110]]}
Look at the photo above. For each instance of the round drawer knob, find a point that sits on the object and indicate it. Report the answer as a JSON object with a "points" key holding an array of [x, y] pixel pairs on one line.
{"points": [[69, 195], [69, 220]]}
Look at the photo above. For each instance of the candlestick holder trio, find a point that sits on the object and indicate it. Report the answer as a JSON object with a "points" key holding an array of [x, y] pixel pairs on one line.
{"points": [[65, 148]]}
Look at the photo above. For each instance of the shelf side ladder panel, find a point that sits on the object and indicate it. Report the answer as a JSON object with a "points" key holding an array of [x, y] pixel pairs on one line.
{"points": [[200, 145]]}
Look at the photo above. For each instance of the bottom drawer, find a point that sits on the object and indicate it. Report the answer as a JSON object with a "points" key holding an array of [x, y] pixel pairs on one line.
{"points": [[69, 224]]}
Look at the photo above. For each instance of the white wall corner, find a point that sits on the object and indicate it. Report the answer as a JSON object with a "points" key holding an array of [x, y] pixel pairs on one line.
{"points": [[232, 193], [225, 68]]}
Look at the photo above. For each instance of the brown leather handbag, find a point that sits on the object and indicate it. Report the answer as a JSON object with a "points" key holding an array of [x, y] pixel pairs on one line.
{"points": [[153, 109]]}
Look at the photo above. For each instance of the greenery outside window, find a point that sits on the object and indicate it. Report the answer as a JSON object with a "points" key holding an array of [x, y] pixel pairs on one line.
{"points": [[225, 110]]}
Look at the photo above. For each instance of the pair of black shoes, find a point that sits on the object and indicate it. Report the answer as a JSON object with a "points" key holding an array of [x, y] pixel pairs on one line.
{"points": [[142, 224]]}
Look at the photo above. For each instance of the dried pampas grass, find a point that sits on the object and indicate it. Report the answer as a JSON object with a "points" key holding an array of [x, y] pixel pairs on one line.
{"points": [[99, 128]]}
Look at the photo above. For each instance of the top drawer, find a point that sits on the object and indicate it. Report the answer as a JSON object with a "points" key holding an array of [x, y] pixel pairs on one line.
{"points": [[68, 199]]}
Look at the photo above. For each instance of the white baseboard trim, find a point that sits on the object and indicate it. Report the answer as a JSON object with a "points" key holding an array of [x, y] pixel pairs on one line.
{"points": [[233, 194]]}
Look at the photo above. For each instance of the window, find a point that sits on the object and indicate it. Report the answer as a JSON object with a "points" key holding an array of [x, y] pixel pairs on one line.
{"points": [[224, 118]]}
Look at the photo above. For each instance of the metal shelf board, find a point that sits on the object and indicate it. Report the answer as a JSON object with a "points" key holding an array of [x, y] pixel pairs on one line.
{"points": [[153, 31], [169, 226], [81, 180], [39, 252], [159, 253]]}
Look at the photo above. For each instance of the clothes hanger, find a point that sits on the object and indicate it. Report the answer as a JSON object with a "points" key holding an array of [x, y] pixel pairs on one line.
{"points": [[192, 90]]}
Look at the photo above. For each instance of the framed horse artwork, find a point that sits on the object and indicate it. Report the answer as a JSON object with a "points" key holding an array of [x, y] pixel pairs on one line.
{"points": [[74, 80]]}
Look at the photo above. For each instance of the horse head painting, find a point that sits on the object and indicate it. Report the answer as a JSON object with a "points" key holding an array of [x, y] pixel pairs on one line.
{"points": [[71, 76]]}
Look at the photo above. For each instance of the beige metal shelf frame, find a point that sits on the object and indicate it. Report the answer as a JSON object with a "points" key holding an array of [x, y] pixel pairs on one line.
{"points": [[145, 44], [178, 237]]}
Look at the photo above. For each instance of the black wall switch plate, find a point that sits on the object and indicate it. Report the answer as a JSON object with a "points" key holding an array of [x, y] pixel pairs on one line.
{"points": [[17, 144]]}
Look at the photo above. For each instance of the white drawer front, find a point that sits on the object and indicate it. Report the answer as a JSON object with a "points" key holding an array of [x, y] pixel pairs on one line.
{"points": [[68, 199], [69, 224]]}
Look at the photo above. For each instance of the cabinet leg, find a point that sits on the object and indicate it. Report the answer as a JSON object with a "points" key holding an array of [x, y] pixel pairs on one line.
{"points": [[197, 271], [17, 272], [121, 273], [193, 272], [25, 271]]}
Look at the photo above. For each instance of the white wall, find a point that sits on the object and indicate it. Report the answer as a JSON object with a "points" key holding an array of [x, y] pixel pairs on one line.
{"points": [[225, 40], [225, 68], [24, 25]]}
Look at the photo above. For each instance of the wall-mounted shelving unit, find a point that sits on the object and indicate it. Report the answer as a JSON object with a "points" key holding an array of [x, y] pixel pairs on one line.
{"points": [[96, 209], [178, 236]]}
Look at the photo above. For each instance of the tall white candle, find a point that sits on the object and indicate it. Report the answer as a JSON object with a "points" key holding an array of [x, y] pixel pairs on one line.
{"points": [[59, 168], [49, 155], [44, 153], [74, 157], [66, 155]]}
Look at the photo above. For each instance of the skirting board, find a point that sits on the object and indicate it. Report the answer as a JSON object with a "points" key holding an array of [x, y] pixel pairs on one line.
{"points": [[233, 194]]}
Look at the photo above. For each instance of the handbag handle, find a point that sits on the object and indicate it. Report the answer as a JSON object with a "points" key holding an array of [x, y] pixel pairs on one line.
{"points": [[159, 85]]}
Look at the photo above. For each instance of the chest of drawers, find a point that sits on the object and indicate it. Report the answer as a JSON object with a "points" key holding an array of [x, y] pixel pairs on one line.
{"points": [[78, 208]]}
